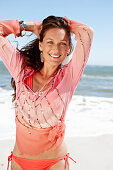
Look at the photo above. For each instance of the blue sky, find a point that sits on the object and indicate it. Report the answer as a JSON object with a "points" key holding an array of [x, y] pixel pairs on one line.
{"points": [[97, 14]]}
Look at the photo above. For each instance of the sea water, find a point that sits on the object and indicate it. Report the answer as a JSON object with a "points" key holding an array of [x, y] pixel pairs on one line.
{"points": [[90, 112]]}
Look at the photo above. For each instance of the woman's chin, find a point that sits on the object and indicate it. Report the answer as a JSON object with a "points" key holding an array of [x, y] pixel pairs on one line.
{"points": [[53, 62]]}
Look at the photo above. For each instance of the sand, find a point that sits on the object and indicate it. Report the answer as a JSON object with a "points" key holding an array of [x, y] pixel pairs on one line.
{"points": [[90, 153]]}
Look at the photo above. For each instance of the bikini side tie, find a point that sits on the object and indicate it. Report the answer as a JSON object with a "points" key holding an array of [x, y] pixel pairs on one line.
{"points": [[9, 159], [67, 160]]}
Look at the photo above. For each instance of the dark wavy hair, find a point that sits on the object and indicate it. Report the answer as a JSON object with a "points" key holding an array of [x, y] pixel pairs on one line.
{"points": [[31, 51]]}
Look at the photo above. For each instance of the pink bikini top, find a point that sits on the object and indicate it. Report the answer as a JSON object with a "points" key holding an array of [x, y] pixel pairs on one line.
{"points": [[28, 81]]}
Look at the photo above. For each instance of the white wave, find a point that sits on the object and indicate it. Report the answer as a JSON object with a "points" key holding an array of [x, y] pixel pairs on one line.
{"points": [[89, 116], [98, 77]]}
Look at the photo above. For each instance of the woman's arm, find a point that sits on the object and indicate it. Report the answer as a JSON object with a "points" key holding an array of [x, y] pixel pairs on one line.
{"points": [[84, 37], [8, 53], [9, 27]]}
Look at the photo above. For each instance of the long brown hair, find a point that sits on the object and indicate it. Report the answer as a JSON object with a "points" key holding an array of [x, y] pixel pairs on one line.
{"points": [[31, 51]]}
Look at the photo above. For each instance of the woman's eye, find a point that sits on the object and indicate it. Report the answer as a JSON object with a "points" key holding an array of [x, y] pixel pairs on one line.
{"points": [[63, 43], [50, 42]]}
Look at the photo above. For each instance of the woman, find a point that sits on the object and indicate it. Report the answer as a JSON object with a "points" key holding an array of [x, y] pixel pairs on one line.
{"points": [[43, 87]]}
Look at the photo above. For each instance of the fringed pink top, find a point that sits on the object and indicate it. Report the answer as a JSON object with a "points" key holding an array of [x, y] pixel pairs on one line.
{"points": [[43, 110]]}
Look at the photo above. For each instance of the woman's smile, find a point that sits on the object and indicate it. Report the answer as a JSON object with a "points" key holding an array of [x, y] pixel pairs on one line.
{"points": [[55, 56]]}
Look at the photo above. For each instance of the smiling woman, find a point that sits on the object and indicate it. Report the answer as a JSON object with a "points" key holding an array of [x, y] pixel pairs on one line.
{"points": [[55, 47], [43, 88]]}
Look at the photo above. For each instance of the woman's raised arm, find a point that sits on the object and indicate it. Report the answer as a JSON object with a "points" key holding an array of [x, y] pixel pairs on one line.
{"points": [[8, 53], [84, 37]]}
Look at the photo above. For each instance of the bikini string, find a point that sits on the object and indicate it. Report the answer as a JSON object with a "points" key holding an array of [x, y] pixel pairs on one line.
{"points": [[67, 160], [9, 159]]}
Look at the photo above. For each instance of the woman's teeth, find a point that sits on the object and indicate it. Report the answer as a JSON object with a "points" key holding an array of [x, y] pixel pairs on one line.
{"points": [[55, 56]]}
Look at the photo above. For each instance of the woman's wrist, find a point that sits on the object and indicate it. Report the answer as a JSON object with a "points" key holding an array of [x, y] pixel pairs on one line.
{"points": [[29, 26]]}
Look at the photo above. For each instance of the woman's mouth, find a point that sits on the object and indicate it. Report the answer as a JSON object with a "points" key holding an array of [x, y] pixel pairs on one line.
{"points": [[54, 56]]}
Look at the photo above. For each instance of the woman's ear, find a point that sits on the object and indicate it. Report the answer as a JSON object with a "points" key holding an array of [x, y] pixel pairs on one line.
{"points": [[68, 52], [40, 46]]}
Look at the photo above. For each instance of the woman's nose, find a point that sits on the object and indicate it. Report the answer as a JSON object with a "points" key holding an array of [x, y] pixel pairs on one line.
{"points": [[56, 49]]}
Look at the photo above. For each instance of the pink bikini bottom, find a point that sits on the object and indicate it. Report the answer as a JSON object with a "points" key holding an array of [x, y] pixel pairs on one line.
{"points": [[28, 164]]}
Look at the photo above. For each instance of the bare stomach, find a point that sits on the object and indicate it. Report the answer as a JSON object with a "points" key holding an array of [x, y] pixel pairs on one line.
{"points": [[49, 154]]}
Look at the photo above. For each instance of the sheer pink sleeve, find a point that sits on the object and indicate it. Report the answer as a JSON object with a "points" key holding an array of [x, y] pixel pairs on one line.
{"points": [[8, 53], [84, 37]]}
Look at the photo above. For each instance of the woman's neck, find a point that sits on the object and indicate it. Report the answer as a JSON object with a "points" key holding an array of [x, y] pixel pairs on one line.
{"points": [[48, 72]]}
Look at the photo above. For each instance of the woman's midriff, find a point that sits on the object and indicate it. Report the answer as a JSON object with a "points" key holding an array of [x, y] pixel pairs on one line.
{"points": [[49, 154]]}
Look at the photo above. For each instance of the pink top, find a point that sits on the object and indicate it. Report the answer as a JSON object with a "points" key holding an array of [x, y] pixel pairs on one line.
{"points": [[44, 109]]}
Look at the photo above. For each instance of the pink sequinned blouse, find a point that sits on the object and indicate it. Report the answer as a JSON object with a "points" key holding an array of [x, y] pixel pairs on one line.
{"points": [[44, 109]]}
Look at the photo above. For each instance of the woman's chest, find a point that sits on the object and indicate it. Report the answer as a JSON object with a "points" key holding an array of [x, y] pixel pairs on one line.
{"points": [[42, 109], [39, 83], [34, 88]]}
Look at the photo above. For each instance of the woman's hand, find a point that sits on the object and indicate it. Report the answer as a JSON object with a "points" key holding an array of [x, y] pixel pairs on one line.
{"points": [[72, 25], [37, 28]]}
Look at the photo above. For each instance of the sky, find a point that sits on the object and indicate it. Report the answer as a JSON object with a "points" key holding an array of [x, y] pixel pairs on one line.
{"points": [[96, 13]]}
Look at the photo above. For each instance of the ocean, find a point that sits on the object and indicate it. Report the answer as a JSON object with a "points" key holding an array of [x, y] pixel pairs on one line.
{"points": [[90, 112]]}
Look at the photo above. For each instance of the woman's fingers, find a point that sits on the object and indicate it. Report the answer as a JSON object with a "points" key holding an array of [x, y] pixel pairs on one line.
{"points": [[68, 20]]}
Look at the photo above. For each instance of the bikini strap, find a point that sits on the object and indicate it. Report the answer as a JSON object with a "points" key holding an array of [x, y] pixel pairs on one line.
{"points": [[67, 160], [9, 159]]}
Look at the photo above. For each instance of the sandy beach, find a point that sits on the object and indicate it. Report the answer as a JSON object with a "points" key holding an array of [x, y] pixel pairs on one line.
{"points": [[90, 153]]}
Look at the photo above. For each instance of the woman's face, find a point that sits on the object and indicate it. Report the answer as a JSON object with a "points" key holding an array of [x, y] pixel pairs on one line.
{"points": [[55, 46]]}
